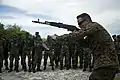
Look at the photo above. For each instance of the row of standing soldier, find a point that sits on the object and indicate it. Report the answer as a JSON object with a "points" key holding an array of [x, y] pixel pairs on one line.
{"points": [[65, 53]]}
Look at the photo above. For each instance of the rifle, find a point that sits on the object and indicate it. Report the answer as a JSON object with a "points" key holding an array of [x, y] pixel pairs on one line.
{"points": [[59, 25]]}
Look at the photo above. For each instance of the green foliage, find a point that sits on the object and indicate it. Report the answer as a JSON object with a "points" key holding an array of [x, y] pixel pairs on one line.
{"points": [[2, 29], [12, 30]]}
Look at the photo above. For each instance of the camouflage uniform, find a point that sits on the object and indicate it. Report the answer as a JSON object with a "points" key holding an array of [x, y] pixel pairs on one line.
{"points": [[71, 52], [21, 46], [49, 53], [64, 53], [1, 54], [14, 53], [102, 47], [27, 52], [57, 49], [75, 56], [38, 53], [6, 43], [87, 59]]}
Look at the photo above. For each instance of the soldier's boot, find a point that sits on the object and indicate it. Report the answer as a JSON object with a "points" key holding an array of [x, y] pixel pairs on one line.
{"points": [[61, 67], [67, 67], [34, 71]]}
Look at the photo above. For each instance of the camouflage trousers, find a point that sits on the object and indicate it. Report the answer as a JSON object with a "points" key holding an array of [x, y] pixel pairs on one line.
{"points": [[6, 57], [37, 58], [14, 54], [80, 56], [66, 61], [49, 54], [23, 59], [104, 73], [87, 59], [57, 56]]}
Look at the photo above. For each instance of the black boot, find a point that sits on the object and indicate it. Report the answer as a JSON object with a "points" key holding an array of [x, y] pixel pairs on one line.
{"points": [[34, 71], [67, 67]]}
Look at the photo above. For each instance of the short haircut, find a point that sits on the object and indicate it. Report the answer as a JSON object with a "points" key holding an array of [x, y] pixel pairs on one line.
{"points": [[84, 15]]}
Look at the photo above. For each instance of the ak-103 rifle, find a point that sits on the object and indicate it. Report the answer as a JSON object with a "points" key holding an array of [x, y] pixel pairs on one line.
{"points": [[59, 25]]}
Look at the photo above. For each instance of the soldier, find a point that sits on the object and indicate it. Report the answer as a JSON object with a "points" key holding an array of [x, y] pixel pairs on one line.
{"points": [[5, 51], [21, 45], [49, 53], [1, 52], [64, 53], [87, 59], [71, 51], [102, 46], [75, 56], [27, 52], [57, 49], [38, 52], [14, 53]]}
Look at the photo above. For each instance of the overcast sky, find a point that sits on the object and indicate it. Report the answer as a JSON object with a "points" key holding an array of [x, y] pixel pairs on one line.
{"points": [[22, 12]]}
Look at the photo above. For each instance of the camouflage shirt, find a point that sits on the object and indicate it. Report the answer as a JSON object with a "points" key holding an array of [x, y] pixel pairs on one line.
{"points": [[101, 44]]}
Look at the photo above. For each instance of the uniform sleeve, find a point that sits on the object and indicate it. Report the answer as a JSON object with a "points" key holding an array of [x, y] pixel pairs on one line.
{"points": [[91, 29]]}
